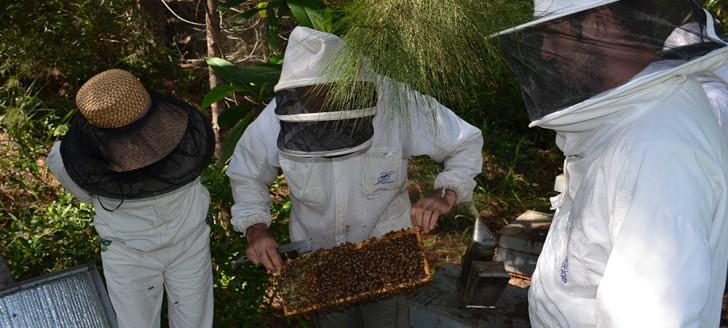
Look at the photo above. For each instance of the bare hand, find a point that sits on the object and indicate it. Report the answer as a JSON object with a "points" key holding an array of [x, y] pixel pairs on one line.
{"points": [[427, 210], [262, 248]]}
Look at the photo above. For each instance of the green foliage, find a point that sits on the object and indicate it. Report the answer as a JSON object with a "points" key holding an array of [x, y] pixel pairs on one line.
{"points": [[63, 43], [256, 81], [311, 13], [276, 14], [241, 298], [720, 9], [235, 133], [24, 120], [440, 48], [41, 228], [49, 237]]}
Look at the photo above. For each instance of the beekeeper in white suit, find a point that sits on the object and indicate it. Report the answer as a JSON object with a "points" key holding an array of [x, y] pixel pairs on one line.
{"points": [[137, 157], [345, 164], [640, 233]]}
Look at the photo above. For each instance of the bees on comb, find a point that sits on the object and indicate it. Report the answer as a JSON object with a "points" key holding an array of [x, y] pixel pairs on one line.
{"points": [[352, 273]]}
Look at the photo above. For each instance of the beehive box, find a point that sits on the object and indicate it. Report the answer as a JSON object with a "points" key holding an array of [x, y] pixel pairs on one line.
{"points": [[352, 273], [73, 298]]}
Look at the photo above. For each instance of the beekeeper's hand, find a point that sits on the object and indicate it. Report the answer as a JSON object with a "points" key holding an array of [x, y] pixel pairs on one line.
{"points": [[427, 210], [262, 248]]}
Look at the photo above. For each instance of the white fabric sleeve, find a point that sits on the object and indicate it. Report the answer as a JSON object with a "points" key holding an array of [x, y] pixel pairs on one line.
{"points": [[253, 166], [55, 164], [659, 267], [435, 131]]}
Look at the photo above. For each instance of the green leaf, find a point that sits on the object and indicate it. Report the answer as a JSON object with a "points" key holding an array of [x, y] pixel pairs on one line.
{"points": [[232, 139], [230, 116], [310, 13], [245, 17], [275, 60], [219, 93], [263, 6], [271, 26], [322, 19], [257, 79], [299, 13]]}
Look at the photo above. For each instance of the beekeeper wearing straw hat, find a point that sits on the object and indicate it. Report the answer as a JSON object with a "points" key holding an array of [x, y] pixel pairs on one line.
{"points": [[137, 157], [640, 233], [346, 164]]}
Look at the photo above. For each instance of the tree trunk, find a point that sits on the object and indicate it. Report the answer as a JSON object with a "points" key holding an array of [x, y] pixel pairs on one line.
{"points": [[213, 50]]}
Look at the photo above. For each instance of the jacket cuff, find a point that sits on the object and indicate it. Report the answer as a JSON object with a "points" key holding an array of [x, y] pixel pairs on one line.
{"points": [[241, 224], [463, 186], [54, 162]]}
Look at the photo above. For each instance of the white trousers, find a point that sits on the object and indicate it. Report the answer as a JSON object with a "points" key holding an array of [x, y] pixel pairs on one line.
{"points": [[135, 280]]}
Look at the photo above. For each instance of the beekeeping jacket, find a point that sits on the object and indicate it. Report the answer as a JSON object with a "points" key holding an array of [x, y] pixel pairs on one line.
{"points": [[141, 239], [147, 224], [361, 194], [639, 236]]}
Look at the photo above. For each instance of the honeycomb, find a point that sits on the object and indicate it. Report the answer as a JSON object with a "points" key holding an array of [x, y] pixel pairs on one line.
{"points": [[352, 273]]}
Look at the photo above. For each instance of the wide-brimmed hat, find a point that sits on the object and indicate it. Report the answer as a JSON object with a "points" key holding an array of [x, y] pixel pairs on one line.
{"points": [[549, 10], [127, 142]]}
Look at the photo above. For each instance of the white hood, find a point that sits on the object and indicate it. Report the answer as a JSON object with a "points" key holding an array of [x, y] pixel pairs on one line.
{"points": [[308, 58]]}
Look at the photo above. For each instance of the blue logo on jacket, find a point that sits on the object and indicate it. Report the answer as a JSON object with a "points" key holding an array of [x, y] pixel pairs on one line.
{"points": [[385, 177]]}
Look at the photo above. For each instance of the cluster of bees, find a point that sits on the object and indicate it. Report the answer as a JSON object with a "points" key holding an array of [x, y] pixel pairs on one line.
{"points": [[351, 273]]}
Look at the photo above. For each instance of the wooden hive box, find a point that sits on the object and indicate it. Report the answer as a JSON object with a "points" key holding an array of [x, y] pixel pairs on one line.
{"points": [[352, 273]]}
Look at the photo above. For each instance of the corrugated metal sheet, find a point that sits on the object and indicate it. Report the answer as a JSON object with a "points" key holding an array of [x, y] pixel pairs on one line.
{"points": [[72, 298]]}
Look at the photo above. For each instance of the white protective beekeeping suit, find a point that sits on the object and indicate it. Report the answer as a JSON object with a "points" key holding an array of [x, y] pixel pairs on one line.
{"points": [[354, 196], [151, 245], [137, 157], [640, 233]]}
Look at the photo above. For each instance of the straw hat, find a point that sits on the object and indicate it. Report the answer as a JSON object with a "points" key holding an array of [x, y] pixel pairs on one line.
{"points": [[138, 134], [129, 143]]}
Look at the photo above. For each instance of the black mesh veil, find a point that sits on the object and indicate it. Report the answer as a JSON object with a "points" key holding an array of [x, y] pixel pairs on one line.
{"points": [[81, 151], [324, 138], [564, 61], [314, 125]]}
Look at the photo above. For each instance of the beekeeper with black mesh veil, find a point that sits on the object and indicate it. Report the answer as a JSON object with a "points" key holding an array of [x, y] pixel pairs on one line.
{"points": [[137, 156], [345, 163], [640, 233]]}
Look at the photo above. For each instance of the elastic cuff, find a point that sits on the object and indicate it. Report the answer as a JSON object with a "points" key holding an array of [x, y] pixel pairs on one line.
{"points": [[242, 224], [464, 189]]}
